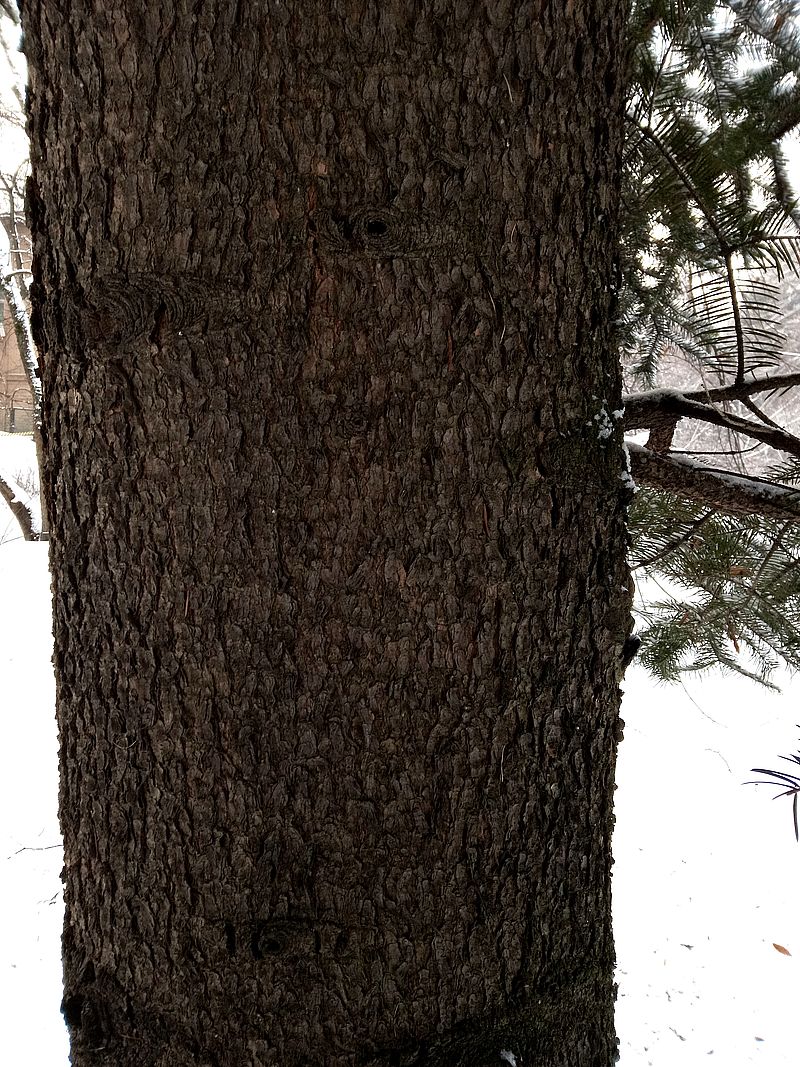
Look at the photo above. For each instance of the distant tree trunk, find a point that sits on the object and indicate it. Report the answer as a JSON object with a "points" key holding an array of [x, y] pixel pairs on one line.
{"points": [[15, 295], [323, 293]]}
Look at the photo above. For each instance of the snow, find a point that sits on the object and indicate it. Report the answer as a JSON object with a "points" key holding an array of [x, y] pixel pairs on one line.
{"points": [[30, 852], [706, 876], [705, 881], [655, 395], [605, 422], [626, 477], [752, 484]]}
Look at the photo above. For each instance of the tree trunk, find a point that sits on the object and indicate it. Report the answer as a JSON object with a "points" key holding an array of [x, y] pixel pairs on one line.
{"points": [[323, 293]]}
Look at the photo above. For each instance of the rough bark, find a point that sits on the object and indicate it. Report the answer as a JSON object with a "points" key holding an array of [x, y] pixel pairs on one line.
{"points": [[323, 295]]}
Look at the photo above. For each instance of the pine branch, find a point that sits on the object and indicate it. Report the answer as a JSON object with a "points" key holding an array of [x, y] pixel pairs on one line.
{"points": [[675, 544], [650, 134], [730, 274], [726, 248], [735, 391], [708, 197], [762, 20], [752, 406], [733, 494], [768, 556], [736, 452], [788, 783], [782, 183], [662, 408]]}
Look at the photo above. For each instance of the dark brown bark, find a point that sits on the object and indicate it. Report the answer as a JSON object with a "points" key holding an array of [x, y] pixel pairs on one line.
{"points": [[323, 297]]}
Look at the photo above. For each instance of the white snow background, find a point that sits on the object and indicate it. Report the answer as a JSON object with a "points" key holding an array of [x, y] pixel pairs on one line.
{"points": [[705, 881]]}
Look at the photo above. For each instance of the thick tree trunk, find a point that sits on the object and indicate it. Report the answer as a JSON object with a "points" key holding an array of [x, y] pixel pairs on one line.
{"points": [[323, 293]]}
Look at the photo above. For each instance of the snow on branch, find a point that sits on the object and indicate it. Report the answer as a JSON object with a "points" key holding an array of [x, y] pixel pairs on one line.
{"points": [[735, 391], [666, 406], [731, 493]]}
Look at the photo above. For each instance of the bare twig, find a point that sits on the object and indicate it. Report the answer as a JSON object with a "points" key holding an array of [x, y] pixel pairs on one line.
{"points": [[10, 9], [673, 545], [20, 510]]}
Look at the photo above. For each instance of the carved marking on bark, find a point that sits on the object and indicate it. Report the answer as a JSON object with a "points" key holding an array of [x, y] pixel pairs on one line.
{"points": [[384, 232], [282, 937]]}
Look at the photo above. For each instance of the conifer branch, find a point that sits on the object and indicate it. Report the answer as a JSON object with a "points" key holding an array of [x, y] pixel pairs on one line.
{"points": [[702, 153], [727, 250], [671, 546], [768, 556], [730, 275], [752, 406], [783, 186], [662, 407], [733, 494], [755, 17], [735, 391], [650, 134]]}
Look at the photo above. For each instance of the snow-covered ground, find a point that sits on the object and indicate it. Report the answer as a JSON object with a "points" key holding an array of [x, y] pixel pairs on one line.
{"points": [[31, 1029], [706, 877]]}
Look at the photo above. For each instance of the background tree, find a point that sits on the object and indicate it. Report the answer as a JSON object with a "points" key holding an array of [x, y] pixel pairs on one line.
{"points": [[15, 262], [14, 268], [323, 299]]}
